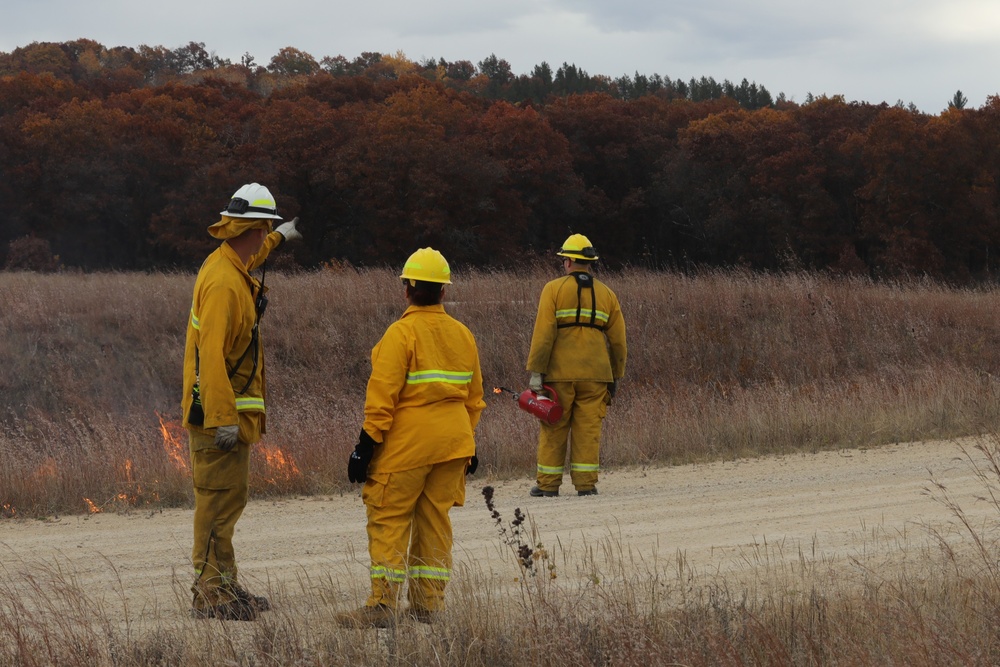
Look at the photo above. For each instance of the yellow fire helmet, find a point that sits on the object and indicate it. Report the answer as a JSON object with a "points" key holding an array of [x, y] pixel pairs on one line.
{"points": [[578, 246], [427, 264]]}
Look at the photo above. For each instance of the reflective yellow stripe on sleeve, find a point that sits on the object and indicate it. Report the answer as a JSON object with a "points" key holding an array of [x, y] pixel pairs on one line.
{"points": [[195, 322], [249, 403]]}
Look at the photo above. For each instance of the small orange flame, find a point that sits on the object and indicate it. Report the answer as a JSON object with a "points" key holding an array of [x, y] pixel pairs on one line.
{"points": [[131, 497], [279, 464], [7, 511], [91, 507], [497, 390], [172, 443]]}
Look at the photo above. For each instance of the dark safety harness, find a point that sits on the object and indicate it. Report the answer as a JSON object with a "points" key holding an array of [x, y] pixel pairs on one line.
{"points": [[584, 281]]}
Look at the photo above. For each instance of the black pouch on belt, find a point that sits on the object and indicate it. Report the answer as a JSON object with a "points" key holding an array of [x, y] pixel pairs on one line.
{"points": [[196, 415]]}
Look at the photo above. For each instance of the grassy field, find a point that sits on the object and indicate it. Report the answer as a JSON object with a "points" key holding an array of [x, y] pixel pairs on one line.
{"points": [[722, 365]]}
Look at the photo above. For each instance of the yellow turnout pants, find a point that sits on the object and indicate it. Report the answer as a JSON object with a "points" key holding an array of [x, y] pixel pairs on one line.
{"points": [[221, 489], [409, 532], [584, 405]]}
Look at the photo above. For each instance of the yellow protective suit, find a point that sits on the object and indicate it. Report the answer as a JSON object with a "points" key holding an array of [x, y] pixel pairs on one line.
{"points": [[219, 332], [423, 403], [578, 345]]}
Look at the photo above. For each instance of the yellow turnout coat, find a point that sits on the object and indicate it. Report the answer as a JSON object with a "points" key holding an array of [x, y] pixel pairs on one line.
{"points": [[218, 333], [425, 393], [579, 334]]}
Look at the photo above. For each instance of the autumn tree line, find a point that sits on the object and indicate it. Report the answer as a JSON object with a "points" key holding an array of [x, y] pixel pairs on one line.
{"points": [[119, 158]]}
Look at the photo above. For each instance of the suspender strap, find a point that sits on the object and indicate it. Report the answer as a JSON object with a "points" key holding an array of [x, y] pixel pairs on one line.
{"points": [[584, 281]]}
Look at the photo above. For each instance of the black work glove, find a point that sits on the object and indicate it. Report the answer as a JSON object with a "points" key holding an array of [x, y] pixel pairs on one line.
{"points": [[357, 465], [473, 464]]}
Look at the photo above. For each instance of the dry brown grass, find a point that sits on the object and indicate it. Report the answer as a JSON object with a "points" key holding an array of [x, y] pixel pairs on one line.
{"points": [[722, 365], [890, 603]]}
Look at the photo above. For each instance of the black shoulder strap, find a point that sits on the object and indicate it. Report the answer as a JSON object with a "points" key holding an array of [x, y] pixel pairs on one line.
{"points": [[259, 304], [584, 281]]}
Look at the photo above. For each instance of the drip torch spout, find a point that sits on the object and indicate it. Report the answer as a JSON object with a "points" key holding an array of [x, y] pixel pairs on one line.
{"points": [[501, 390]]}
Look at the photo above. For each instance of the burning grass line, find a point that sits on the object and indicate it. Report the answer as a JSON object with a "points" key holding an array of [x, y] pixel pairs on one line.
{"points": [[177, 452]]}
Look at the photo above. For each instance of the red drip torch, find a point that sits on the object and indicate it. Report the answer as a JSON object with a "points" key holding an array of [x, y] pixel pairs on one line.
{"points": [[545, 408]]}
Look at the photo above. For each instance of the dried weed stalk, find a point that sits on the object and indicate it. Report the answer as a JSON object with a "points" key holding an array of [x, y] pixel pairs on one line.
{"points": [[513, 534]]}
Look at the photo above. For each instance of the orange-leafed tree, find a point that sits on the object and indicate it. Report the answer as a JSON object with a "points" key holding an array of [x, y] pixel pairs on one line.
{"points": [[21, 96], [290, 61], [750, 179], [214, 133], [618, 149], [122, 179], [831, 236], [893, 207], [929, 201], [79, 171], [38, 58], [418, 176], [301, 139], [537, 195]]}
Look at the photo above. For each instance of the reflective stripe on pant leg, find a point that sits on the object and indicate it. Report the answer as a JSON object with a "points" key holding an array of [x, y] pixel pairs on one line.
{"points": [[552, 442], [589, 408], [431, 544], [389, 500]]}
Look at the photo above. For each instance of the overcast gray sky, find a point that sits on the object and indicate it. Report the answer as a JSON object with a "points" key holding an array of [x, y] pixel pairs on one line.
{"points": [[918, 51]]}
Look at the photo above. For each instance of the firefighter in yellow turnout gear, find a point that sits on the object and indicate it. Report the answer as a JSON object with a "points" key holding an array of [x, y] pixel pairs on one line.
{"points": [[578, 348], [422, 405], [224, 392]]}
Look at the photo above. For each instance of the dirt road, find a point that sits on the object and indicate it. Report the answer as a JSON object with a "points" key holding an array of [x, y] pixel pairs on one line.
{"points": [[831, 505]]}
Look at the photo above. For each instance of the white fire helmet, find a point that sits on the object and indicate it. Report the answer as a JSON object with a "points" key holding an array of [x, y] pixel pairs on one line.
{"points": [[252, 201]]}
